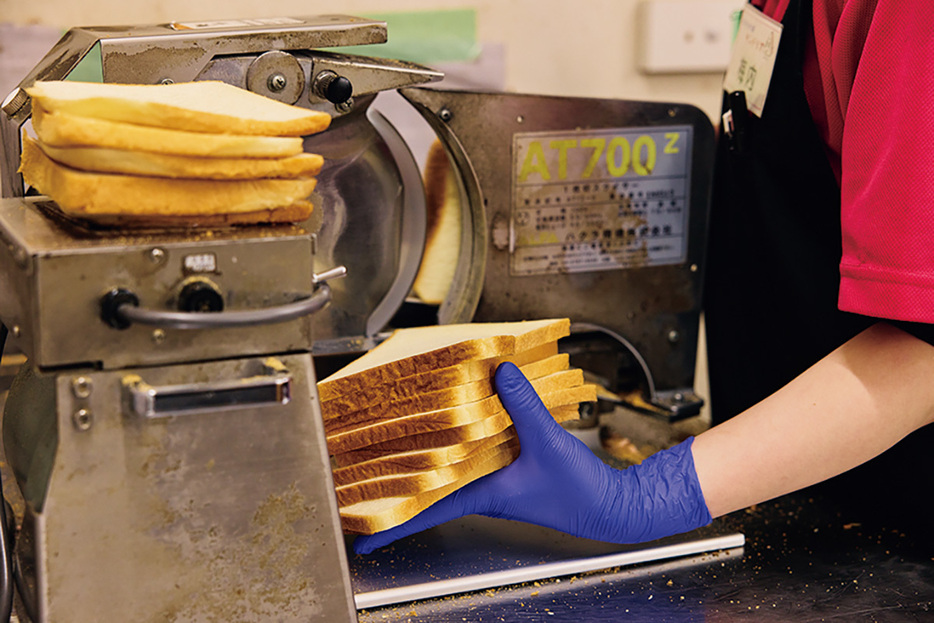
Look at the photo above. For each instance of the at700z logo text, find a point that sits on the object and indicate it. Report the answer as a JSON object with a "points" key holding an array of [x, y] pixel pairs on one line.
{"points": [[594, 157]]}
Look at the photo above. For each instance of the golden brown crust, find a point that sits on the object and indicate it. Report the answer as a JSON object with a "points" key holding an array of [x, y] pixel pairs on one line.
{"points": [[431, 380], [552, 394], [348, 408], [60, 129], [376, 514], [130, 162], [103, 195], [192, 106], [421, 362]]}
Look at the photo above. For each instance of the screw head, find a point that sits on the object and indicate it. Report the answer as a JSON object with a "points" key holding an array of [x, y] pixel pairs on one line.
{"points": [[81, 387], [82, 419], [276, 82]]}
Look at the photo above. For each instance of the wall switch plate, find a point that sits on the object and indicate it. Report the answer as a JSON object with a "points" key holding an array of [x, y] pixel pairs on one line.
{"points": [[685, 36]]}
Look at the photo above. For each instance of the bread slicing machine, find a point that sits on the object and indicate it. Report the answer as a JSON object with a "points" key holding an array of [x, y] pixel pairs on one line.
{"points": [[180, 454]]}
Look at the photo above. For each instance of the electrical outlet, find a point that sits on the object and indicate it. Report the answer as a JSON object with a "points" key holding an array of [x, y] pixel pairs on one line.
{"points": [[685, 36]]}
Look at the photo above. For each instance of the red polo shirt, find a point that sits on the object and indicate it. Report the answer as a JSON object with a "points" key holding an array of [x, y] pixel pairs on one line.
{"points": [[869, 81]]}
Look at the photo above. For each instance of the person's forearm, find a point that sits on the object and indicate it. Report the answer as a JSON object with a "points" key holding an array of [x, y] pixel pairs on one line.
{"points": [[849, 407]]}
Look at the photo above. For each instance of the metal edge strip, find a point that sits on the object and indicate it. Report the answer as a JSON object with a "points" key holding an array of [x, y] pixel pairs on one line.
{"points": [[497, 579]]}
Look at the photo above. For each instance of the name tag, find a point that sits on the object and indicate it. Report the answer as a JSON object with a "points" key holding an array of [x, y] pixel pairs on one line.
{"points": [[753, 58]]}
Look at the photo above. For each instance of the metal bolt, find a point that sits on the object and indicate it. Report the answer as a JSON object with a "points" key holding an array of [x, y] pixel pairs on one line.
{"points": [[678, 397], [158, 336], [156, 255], [276, 82], [520, 119], [445, 114], [82, 419], [166, 81], [81, 387], [344, 107], [674, 336]]}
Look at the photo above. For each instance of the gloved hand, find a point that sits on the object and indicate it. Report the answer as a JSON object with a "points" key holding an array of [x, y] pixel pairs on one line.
{"points": [[559, 483]]}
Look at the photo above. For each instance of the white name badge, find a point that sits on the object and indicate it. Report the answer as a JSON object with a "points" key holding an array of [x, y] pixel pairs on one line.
{"points": [[753, 58]]}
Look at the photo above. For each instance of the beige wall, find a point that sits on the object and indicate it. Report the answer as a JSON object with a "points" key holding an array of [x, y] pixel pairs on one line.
{"points": [[582, 48]]}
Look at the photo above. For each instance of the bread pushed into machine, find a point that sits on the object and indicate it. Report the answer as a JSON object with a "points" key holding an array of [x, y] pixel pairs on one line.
{"points": [[384, 427], [188, 154], [446, 427], [426, 350]]}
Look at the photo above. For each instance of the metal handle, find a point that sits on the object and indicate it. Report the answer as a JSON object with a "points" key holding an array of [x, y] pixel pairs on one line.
{"points": [[150, 402], [127, 312]]}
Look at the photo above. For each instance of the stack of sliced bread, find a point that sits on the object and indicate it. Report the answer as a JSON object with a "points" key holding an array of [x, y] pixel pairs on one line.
{"points": [[189, 153], [418, 416]]}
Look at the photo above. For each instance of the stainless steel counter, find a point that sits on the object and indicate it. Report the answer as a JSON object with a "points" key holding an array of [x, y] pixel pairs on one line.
{"points": [[801, 561]]}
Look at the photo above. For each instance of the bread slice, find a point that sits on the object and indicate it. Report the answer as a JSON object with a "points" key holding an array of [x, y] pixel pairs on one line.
{"points": [[344, 408], [376, 414], [107, 160], [379, 514], [90, 194], [420, 460], [473, 431], [552, 389], [417, 350], [443, 232], [433, 380], [293, 213], [400, 485], [60, 129], [206, 106]]}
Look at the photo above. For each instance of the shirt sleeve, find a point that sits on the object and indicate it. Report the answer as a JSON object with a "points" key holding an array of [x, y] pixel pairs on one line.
{"points": [[887, 158]]}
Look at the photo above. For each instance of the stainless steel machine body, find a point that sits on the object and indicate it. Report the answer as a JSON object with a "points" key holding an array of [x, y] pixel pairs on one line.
{"points": [[369, 193], [180, 454], [584, 208], [169, 474]]}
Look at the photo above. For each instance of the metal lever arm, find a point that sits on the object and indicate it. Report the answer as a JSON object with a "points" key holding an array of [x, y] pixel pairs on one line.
{"points": [[127, 313]]}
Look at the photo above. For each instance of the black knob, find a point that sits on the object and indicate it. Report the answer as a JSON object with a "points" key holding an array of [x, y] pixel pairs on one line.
{"points": [[200, 296], [112, 301], [333, 87]]}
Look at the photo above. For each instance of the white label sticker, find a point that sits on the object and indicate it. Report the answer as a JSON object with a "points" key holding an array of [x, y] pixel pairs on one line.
{"points": [[753, 58], [600, 199]]}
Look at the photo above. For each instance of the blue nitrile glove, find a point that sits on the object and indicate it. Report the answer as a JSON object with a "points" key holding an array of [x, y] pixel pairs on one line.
{"points": [[559, 483]]}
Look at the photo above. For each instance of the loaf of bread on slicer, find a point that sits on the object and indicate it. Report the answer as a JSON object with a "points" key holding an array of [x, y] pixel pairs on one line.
{"points": [[170, 155], [84, 193], [65, 130], [417, 350], [131, 162], [443, 229], [205, 106], [553, 389]]}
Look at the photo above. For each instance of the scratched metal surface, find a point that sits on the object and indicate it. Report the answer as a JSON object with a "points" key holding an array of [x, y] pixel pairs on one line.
{"points": [[803, 560]]}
